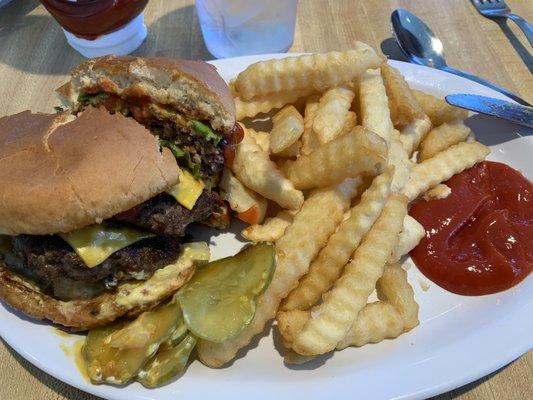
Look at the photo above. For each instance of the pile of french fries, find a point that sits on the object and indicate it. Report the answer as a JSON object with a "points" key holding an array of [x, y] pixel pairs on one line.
{"points": [[351, 146]]}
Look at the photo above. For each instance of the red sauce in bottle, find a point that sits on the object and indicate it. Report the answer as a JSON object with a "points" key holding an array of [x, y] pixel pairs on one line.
{"points": [[91, 18], [479, 240]]}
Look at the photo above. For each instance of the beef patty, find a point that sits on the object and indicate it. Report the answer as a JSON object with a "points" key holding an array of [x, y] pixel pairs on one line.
{"points": [[162, 215], [50, 262], [46, 259]]}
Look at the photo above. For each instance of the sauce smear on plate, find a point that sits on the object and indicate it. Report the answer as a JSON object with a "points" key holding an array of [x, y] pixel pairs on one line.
{"points": [[479, 239]]}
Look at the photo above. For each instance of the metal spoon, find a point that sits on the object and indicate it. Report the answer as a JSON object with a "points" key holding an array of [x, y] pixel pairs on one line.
{"points": [[423, 47]]}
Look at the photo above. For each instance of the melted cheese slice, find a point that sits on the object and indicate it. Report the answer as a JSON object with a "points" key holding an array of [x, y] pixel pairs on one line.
{"points": [[188, 189], [95, 243]]}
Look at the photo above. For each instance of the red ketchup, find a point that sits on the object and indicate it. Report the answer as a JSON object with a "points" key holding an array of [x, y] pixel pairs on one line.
{"points": [[89, 19], [479, 240]]}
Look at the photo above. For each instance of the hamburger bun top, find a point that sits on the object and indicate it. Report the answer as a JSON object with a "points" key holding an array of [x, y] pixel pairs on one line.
{"points": [[193, 88], [59, 173]]}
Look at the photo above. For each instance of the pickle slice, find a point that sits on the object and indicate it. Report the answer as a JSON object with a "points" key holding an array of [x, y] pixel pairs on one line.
{"points": [[221, 298], [175, 337], [115, 354], [167, 363]]}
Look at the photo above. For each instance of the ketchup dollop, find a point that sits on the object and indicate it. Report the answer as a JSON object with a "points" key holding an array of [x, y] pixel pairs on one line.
{"points": [[91, 18], [479, 240]]}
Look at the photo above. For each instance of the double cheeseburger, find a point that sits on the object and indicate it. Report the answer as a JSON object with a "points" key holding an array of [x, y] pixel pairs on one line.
{"points": [[96, 199]]}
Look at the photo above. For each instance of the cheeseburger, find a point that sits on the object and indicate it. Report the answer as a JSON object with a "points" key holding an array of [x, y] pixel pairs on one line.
{"points": [[96, 199]]}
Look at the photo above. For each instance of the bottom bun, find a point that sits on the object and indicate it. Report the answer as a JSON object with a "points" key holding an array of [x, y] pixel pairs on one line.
{"points": [[128, 300]]}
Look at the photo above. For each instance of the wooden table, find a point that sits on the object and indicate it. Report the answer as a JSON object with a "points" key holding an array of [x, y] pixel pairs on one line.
{"points": [[34, 59]]}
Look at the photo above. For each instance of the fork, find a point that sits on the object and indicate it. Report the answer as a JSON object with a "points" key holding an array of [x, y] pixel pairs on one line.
{"points": [[499, 9]]}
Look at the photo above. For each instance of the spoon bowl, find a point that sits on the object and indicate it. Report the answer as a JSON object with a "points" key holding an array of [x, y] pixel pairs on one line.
{"points": [[421, 46], [417, 40]]}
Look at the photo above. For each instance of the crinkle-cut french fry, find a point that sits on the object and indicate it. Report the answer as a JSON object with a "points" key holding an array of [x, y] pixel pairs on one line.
{"points": [[260, 137], [403, 104], [331, 320], [287, 127], [443, 166], [349, 123], [438, 192], [394, 287], [400, 160], [375, 114], [330, 262], [438, 110], [411, 234], [413, 133], [250, 206], [292, 151], [376, 322], [301, 242], [332, 113], [293, 358], [357, 152], [271, 230], [252, 166], [266, 103], [442, 137], [309, 140], [319, 71]]}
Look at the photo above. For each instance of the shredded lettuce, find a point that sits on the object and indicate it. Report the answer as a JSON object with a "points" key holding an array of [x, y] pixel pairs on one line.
{"points": [[88, 98], [180, 153], [206, 131]]}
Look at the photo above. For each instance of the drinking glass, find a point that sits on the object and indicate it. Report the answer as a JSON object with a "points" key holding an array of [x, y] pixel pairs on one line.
{"points": [[241, 27]]}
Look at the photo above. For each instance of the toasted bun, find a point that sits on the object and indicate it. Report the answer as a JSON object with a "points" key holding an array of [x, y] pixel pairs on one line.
{"points": [[59, 173], [129, 300], [192, 87]]}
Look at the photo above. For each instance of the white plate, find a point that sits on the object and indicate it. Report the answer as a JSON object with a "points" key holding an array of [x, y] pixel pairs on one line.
{"points": [[459, 338]]}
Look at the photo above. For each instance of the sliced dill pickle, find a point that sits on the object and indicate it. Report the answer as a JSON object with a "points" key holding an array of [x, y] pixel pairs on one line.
{"points": [[221, 298], [177, 336], [167, 363], [116, 354]]}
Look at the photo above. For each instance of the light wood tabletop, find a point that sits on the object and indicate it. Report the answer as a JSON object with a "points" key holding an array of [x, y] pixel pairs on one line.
{"points": [[35, 59]]}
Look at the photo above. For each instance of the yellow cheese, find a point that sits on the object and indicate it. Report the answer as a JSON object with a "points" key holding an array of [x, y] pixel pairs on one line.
{"points": [[95, 243], [188, 189]]}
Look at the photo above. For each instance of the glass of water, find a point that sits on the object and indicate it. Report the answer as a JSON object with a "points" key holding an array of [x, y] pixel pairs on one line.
{"points": [[234, 28]]}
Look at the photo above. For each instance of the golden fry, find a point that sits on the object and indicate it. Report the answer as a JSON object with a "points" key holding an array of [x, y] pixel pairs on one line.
{"points": [[443, 166], [261, 138], [376, 322], [441, 191], [394, 288], [330, 262], [400, 160], [319, 71], [358, 152], [266, 103], [413, 133], [287, 127], [442, 137], [403, 104], [331, 320], [411, 234], [332, 113], [309, 139], [375, 114], [292, 151], [295, 249], [241, 199], [271, 230], [252, 166], [349, 123], [438, 111]]}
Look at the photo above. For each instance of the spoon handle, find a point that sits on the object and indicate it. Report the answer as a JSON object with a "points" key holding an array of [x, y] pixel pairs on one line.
{"points": [[485, 83]]}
